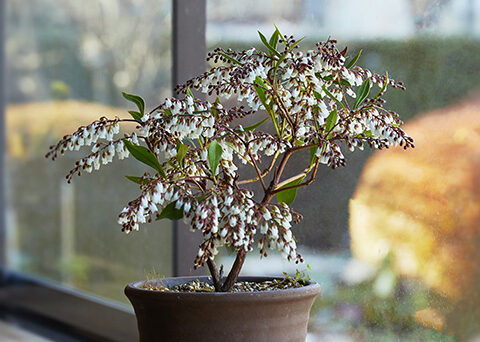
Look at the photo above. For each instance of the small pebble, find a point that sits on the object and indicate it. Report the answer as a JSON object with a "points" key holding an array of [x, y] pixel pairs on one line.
{"points": [[242, 286]]}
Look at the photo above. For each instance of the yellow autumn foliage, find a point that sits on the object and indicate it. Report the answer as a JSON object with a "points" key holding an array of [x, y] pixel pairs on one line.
{"points": [[423, 205], [31, 125]]}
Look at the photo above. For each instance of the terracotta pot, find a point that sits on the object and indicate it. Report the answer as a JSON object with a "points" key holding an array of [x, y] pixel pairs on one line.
{"points": [[214, 316]]}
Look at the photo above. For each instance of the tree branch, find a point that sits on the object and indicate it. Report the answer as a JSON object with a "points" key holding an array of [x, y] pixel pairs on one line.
{"points": [[235, 271], [264, 173], [212, 267], [287, 116], [310, 181], [302, 147], [258, 172]]}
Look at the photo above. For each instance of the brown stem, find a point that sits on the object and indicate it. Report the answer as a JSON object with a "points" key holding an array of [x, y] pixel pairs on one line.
{"points": [[287, 115], [154, 109], [234, 272], [310, 181], [212, 267], [279, 170], [257, 170], [301, 147], [264, 173]]}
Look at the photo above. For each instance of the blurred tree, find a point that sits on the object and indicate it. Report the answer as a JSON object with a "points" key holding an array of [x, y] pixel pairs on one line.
{"points": [[98, 48], [126, 41]]}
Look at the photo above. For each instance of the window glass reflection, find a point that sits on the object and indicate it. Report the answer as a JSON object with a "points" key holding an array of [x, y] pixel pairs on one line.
{"points": [[67, 63]]}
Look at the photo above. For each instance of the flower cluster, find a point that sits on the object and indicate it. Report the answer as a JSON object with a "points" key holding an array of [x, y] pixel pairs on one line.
{"points": [[314, 100], [308, 94]]}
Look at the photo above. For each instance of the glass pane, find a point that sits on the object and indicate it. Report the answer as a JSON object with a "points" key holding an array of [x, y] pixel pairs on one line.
{"points": [[67, 63], [392, 237]]}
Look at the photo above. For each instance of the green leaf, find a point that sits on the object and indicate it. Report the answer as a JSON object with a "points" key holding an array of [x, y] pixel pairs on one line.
{"points": [[181, 152], [171, 212], [326, 78], [214, 156], [137, 100], [274, 39], [345, 83], [144, 155], [231, 59], [313, 151], [252, 127], [288, 196], [261, 91], [189, 92], [362, 93], [260, 81], [353, 60], [282, 38], [138, 180], [300, 142], [267, 44], [136, 115], [190, 141], [261, 95], [200, 111], [368, 134], [330, 95], [331, 120], [263, 99]]}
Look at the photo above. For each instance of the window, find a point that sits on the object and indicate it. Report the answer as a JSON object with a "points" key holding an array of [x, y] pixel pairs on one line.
{"points": [[66, 64], [392, 249]]}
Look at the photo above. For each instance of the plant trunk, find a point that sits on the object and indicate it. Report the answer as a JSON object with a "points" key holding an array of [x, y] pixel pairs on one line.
{"points": [[235, 271], [217, 282]]}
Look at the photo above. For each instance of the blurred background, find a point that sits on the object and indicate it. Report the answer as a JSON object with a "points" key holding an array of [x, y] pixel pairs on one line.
{"points": [[392, 238]]}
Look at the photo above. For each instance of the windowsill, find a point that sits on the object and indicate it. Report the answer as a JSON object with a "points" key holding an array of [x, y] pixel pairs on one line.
{"points": [[49, 308], [13, 333]]}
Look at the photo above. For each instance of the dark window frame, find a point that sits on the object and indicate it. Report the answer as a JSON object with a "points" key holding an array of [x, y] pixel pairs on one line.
{"points": [[64, 314]]}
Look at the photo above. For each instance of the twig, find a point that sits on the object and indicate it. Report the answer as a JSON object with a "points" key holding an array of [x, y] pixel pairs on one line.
{"points": [[264, 173], [258, 171], [310, 181], [286, 115]]}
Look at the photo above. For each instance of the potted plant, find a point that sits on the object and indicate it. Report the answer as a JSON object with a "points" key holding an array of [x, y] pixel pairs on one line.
{"points": [[315, 102]]}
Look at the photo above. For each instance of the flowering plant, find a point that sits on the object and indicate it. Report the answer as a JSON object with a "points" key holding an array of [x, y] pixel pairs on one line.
{"points": [[314, 100]]}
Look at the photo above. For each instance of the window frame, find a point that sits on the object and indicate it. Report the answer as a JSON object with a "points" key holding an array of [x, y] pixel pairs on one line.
{"points": [[46, 307]]}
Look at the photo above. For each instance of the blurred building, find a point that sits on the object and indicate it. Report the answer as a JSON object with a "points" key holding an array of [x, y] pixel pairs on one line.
{"points": [[368, 19]]}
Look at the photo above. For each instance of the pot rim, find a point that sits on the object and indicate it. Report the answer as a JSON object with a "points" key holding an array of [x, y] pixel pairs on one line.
{"points": [[133, 289]]}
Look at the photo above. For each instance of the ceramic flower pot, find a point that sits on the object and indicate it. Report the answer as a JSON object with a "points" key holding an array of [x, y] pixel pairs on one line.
{"points": [[276, 316]]}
